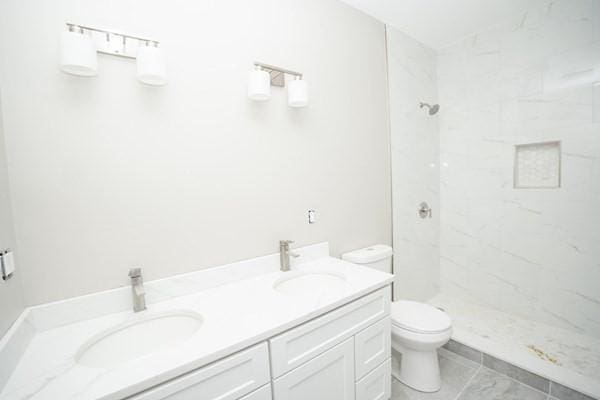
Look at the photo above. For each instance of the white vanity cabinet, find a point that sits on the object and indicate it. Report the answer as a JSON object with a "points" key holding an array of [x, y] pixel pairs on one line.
{"points": [[329, 376], [373, 346], [341, 355], [228, 379], [377, 384], [264, 393], [298, 345]]}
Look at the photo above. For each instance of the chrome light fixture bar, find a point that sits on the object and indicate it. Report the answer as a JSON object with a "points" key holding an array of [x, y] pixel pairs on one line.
{"points": [[277, 73], [80, 45], [264, 76], [113, 43]]}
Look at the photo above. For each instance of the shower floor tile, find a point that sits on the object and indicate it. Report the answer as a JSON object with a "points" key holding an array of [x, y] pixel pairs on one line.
{"points": [[558, 354], [490, 385]]}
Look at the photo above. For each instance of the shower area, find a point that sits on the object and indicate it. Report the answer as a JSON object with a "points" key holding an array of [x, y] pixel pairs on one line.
{"points": [[495, 145]]}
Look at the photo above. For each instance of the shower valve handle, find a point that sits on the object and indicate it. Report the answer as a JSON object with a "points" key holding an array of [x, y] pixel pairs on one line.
{"points": [[424, 210]]}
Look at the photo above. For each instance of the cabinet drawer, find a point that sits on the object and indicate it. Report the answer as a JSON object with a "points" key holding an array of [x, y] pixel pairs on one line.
{"points": [[377, 385], [264, 393], [227, 379], [298, 345], [326, 377], [372, 346]]}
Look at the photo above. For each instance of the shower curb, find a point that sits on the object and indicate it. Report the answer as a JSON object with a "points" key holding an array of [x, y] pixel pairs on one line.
{"points": [[553, 389]]}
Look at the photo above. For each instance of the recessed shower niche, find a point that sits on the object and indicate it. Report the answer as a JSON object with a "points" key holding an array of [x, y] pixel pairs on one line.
{"points": [[537, 165]]}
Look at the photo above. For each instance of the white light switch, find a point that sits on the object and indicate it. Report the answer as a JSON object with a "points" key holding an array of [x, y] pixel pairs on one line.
{"points": [[8, 265], [312, 216]]}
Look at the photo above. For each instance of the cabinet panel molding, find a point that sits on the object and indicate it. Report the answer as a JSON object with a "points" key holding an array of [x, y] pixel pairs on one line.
{"points": [[226, 379], [298, 345], [329, 376], [372, 346], [377, 385]]}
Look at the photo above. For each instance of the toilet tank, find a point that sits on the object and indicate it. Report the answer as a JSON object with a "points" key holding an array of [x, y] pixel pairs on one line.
{"points": [[378, 257]]}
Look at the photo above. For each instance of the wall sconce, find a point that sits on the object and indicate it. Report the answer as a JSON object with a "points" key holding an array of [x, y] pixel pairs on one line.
{"points": [[80, 45], [264, 76], [297, 93], [78, 53], [151, 65], [259, 85]]}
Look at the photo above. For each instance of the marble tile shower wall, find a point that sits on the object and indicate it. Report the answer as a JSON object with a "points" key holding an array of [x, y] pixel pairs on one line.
{"points": [[533, 252], [415, 169]]}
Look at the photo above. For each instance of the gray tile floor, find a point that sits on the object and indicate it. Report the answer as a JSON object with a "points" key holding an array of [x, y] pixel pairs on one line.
{"points": [[463, 379]]}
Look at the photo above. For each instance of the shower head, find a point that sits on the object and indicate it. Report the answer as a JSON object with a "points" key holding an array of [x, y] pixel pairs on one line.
{"points": [[433, 109]]}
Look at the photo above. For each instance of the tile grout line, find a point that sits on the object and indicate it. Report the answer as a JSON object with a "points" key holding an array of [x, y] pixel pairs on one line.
{"points": [[468, 383], [482, 366], [548, 394], [521, 383]]}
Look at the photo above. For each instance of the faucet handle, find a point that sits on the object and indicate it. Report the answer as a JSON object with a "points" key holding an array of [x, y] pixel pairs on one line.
{"points": [[285, 242], [135, 272]]}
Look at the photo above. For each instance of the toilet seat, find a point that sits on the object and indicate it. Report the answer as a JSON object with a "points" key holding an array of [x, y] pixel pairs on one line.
{"points": [[419, 317]]}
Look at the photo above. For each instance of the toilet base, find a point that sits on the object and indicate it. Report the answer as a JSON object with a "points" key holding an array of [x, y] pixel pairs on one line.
{"points": [[419, 370]]}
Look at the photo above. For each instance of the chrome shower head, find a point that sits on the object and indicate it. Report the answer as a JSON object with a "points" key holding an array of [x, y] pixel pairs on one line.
{"points": [[433, 109]]}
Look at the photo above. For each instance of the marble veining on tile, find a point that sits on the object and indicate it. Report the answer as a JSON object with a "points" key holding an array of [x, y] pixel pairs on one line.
{"points": [[528, 80], [561, 392], [519, 374], [513, 337], [490, 385], [463, 379], [415, 165]]}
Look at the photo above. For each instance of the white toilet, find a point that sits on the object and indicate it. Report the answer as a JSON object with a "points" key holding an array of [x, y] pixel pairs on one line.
{"points": [[418, 329]]}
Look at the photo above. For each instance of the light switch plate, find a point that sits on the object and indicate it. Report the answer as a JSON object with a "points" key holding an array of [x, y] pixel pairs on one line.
{"points": [[312, 216]]}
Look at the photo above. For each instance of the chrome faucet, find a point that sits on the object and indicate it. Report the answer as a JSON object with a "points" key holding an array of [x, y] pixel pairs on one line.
{"points": [[137, 289], [285, 253]]}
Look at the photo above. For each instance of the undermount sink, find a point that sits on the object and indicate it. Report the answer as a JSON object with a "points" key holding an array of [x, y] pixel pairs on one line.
{"points": [[140, 336], [314, 283]]}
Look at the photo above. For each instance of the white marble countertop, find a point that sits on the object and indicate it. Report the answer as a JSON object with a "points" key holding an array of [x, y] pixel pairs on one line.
{"points": [[236, 315]]}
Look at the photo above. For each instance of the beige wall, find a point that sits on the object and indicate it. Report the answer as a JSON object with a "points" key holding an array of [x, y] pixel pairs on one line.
{"points": [[11, 296], [108, 174]]}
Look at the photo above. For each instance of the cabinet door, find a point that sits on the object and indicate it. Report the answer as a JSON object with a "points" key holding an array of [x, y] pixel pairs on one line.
{"points": [[377, 385], [329, 376], [226, 379], [298, 345], [264, 393], [372, 346]]}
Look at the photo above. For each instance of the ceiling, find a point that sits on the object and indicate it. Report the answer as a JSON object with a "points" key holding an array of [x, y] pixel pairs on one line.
{"points": [[438, 23]]}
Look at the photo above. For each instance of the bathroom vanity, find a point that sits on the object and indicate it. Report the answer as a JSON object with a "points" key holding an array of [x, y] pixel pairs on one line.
{"points": [[343, 354], [242, 331]]}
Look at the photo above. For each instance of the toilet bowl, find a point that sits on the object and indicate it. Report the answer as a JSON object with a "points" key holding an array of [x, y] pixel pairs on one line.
{"points": [[418, 330]]}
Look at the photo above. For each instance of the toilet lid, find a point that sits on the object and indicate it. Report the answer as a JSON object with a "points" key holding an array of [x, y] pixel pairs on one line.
{"points": [[419, 317]]}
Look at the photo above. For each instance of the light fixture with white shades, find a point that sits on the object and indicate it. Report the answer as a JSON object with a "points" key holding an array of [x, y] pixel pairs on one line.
{"points": [[259, 84], [297, 93], [151, 66], [80, 45], [264, 76], [78, 53]]}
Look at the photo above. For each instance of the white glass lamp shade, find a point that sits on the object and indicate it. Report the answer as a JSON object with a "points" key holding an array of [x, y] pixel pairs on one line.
{"points": [[151, 66], [259, 85], [297, 93], [78, 54]]}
